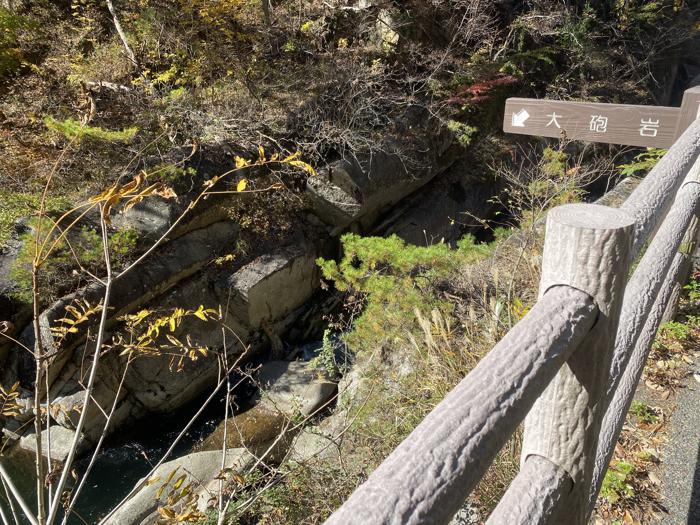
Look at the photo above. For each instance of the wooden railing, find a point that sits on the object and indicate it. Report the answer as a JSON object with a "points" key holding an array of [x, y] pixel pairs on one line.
{"points": [[568, 369]]}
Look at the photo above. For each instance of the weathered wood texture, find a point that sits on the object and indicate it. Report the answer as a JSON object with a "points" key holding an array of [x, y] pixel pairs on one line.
{"points": [[537, 495], [587, 247], [645, 284], [575, 359], [592, 121], [688, 247], [427, 478], [651, 200], [690, 109], [622, 399]]}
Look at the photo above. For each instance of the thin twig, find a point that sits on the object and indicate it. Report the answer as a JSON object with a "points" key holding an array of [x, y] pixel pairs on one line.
{"points": [[93, 372], [172, 446], [93, 458], [18, 496], [120, 32], [9, 501]]}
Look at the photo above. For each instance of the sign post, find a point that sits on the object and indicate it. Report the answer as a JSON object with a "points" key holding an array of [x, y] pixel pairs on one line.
{"points": [[631, 125]]}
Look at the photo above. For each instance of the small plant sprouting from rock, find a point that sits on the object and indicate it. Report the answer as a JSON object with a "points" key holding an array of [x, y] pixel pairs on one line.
{"points": [[326, 356]]}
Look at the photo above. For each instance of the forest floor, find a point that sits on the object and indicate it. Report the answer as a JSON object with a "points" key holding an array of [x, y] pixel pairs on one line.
{"points": [[653, 476]]}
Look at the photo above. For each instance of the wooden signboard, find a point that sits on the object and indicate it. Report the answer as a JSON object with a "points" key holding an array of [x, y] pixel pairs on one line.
{"points": [[690, 109], [632, 125]]}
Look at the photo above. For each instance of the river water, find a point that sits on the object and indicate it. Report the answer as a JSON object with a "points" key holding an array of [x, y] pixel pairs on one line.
{"points": [[126, 458]]}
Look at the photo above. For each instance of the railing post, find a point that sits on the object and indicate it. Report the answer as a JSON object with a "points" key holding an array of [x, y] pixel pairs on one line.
{"points": [[587, 247]]}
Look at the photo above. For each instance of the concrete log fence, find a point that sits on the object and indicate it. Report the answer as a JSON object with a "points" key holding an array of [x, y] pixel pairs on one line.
{"points": [[568, 369]]}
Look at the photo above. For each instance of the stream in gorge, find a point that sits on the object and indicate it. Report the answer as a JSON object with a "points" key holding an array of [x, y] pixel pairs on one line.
{"points": [[128, 456]]}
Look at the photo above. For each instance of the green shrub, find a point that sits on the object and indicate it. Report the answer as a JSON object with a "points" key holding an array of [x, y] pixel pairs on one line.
{"points": [[71, 128], [326, 356], [675, 330], [11, 25], [393, 279], [643, 162], [644, 412], [615, 484], [85, 246], [462, 132], [15, 205], [693, 289], [171, 173]]}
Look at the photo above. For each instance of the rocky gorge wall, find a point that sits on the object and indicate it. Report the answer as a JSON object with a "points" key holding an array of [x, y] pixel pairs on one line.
{"points": [[260, 300]]}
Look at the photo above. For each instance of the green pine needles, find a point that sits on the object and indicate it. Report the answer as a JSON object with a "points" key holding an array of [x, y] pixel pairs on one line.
{"points": [[73, 129], [393, 279]]}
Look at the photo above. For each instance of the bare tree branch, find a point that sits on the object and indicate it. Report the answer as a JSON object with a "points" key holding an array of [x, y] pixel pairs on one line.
{"points": [[121, 33]]}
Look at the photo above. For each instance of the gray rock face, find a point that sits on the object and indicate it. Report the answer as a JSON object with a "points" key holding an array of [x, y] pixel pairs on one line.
{"points": [[61, 441], [150, 217], [273, 285], [360, 189], [386, 35], [8, 255], [445, 210], [288, 389], [158, 274], [155, 383], [68, 396], [152, 384], [330, 202], [265, 290], [318, 442], [199, 468], [293, 387]]}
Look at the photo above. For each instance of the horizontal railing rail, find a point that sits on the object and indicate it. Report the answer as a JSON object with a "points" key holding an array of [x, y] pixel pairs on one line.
{"points": [[424, 480], [568, 369]]}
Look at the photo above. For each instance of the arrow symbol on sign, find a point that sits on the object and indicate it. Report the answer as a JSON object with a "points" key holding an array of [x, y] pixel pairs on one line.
{"points": [[519, 118]]}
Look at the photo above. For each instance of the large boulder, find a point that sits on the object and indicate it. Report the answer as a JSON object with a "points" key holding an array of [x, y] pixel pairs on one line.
{"points": [[289, 389], [199, 468], [267, 289], [294, 388], [266, 434], [160, 272], [157, 383], [319, 442], [151, 218], [255, 429], [272, 285], [68, 394], [452, 205], [60, 440], [361, 188], [150, 383]]}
